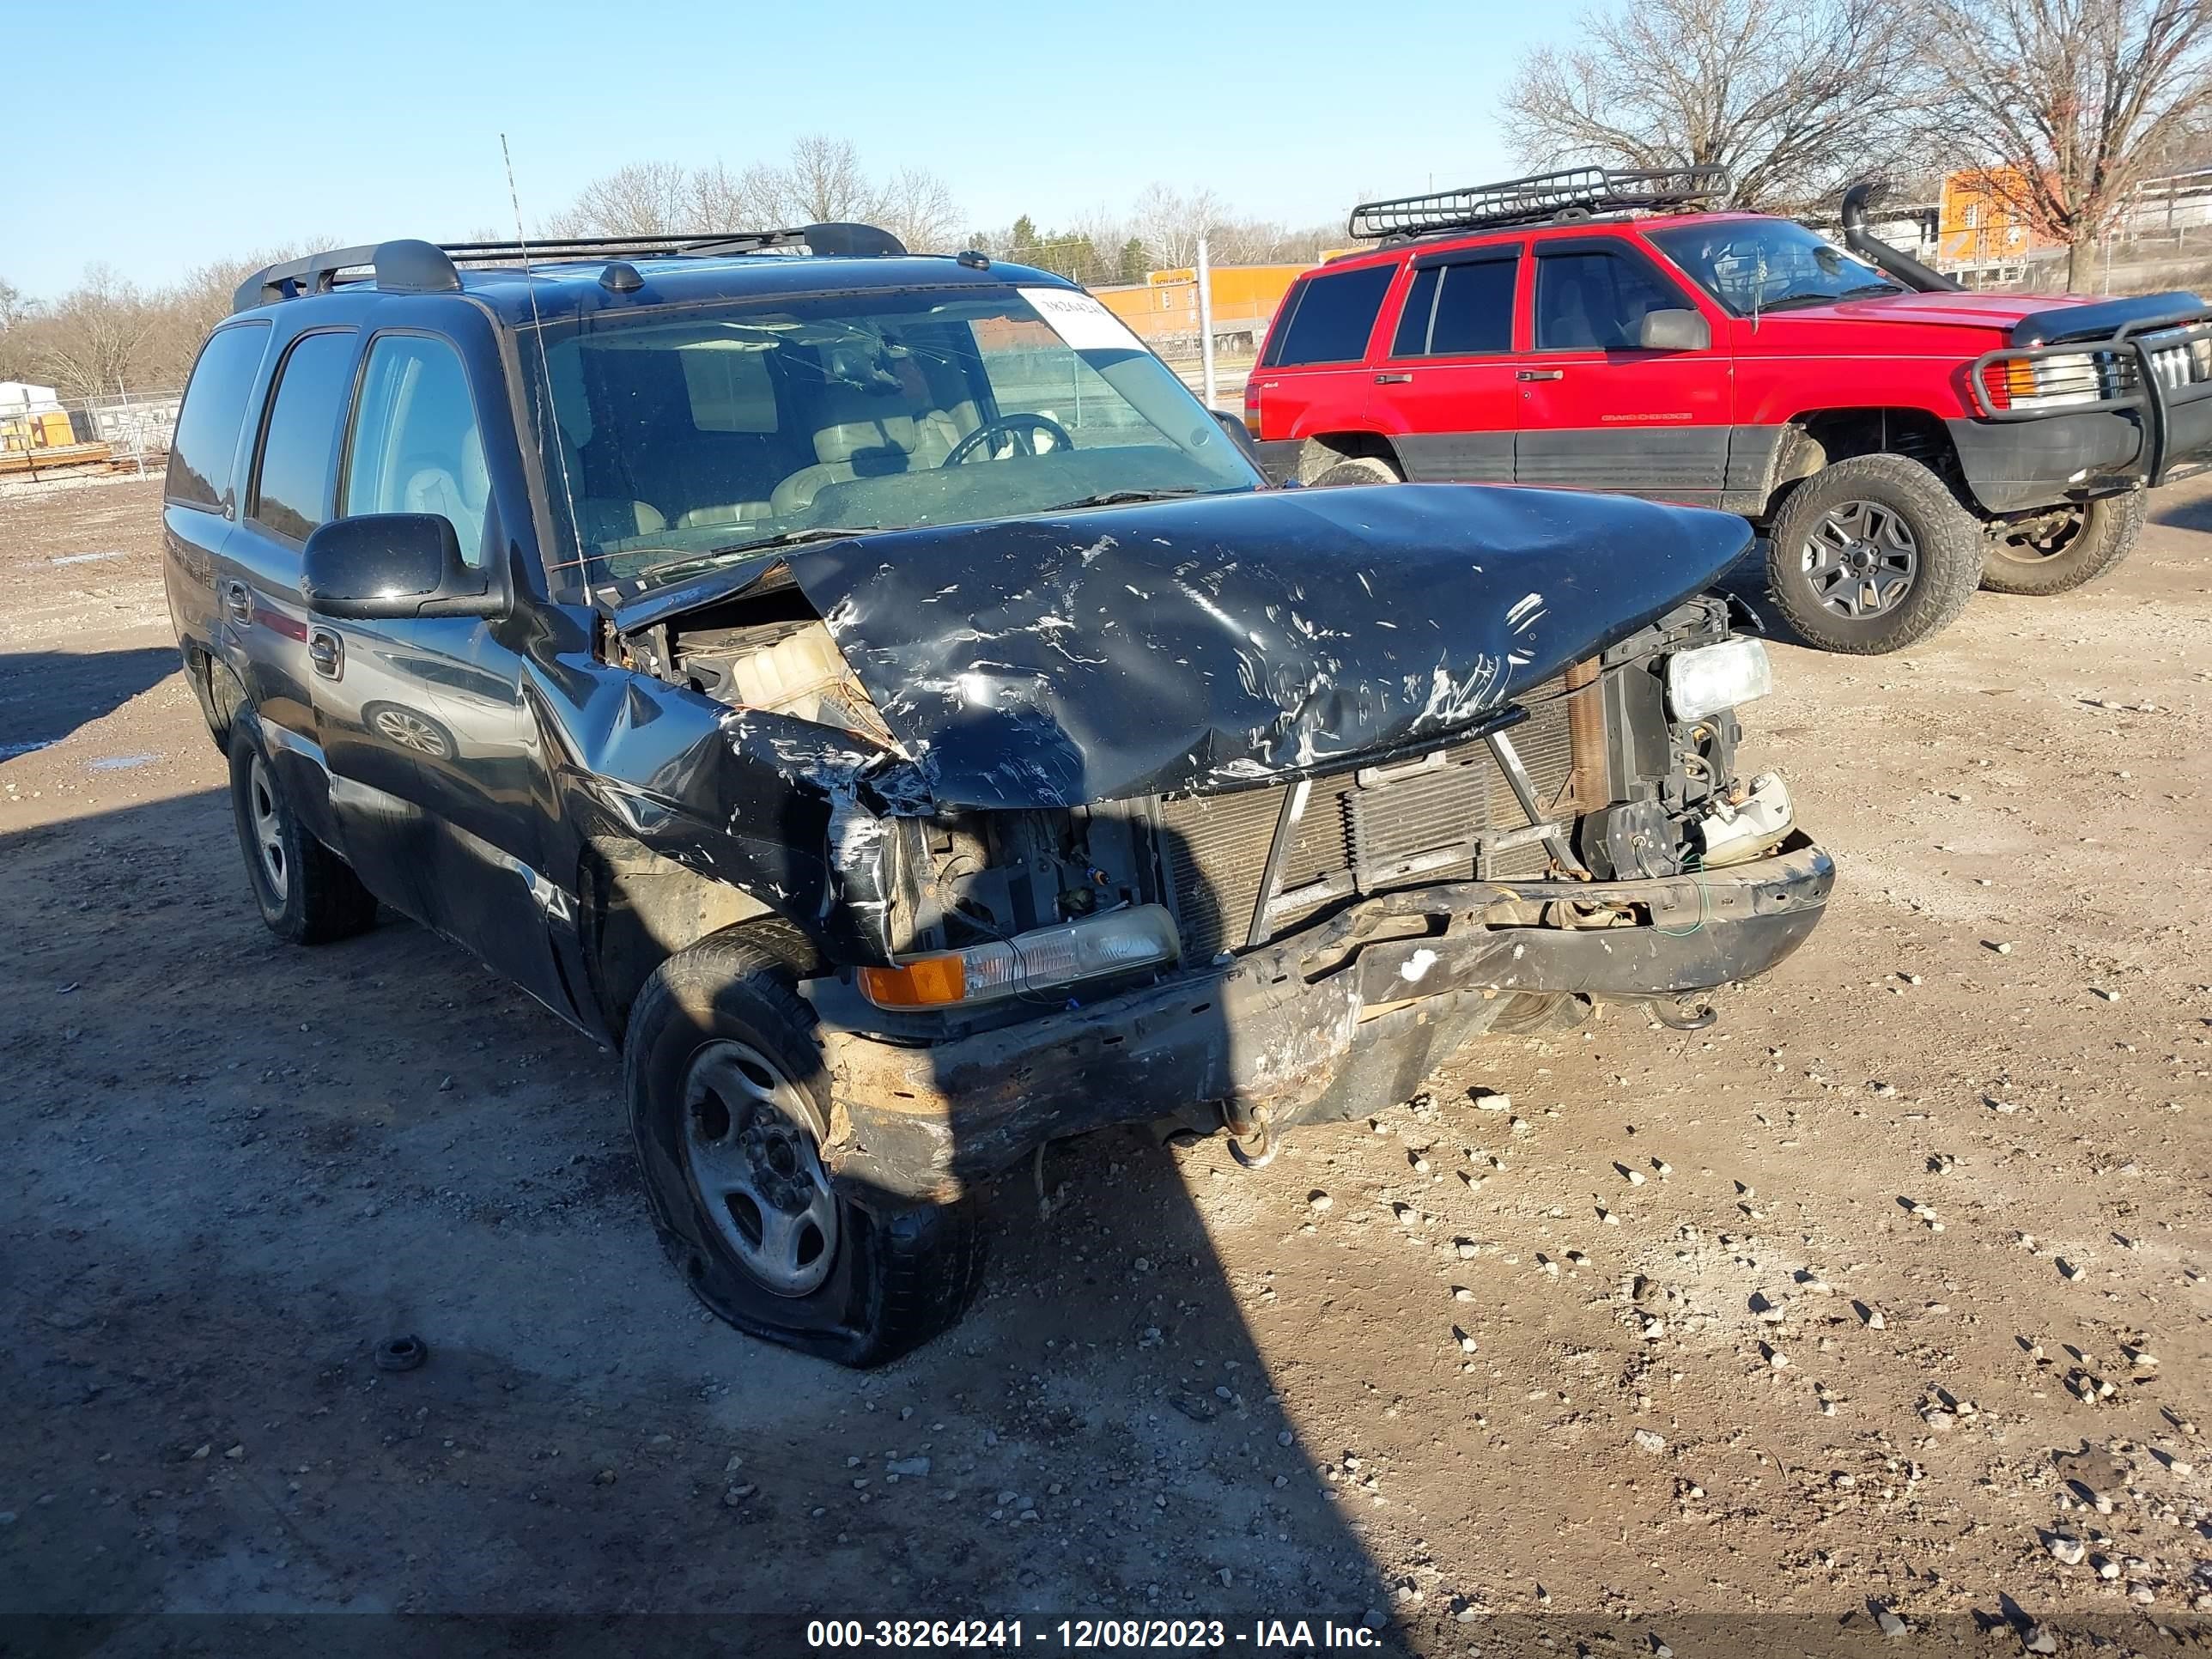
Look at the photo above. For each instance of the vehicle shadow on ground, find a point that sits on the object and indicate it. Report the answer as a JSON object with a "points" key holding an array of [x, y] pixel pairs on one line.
{"points": [[242, 1166], [46, 695], [2178, 510]]}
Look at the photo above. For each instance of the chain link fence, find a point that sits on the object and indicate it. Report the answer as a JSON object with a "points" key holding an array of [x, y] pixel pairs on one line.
{"points": [[125, 433]]}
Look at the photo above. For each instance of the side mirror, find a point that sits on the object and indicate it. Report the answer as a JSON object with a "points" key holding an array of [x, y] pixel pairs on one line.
{"points": [[1239, 434], [1675, 330], [388, 566]]}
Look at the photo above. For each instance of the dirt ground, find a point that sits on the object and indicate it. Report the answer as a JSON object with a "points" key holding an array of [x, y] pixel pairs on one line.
{"points": [[1865, 1301]]}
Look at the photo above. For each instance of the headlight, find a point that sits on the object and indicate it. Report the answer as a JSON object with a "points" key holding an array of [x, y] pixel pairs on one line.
{"points": [[2055, 382], [1041, 960], [1717, 677]]}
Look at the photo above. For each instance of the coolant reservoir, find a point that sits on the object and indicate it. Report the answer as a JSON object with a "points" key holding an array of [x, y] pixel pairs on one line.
{"points": [[791, 675]]}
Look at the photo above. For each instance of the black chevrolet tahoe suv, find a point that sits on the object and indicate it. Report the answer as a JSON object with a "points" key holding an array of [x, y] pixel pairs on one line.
{"points": [[872, 693]]}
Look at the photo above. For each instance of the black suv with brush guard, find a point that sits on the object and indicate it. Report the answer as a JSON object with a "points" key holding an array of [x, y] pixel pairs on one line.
{"points": [[872, 692]]}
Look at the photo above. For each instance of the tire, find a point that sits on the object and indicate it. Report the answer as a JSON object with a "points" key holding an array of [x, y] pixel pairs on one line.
{"points": [[1358, 470], [2057, 553], [1902, 553], [307, 893], [720, 1048]]}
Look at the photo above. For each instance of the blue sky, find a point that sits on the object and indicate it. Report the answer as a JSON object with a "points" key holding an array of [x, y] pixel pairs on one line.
{"points": [[203, 129]]}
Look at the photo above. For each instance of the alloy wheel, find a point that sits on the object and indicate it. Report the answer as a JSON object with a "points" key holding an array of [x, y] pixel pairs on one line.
{"points": [[268, 827], [1861, 559]]}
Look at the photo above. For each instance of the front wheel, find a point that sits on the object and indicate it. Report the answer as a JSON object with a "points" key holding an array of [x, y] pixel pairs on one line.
{"points": [[2058, 551], [1872, 554], [730, 1107]]}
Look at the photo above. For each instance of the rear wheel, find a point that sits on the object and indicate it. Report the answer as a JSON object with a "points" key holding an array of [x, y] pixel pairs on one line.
{"points": [[1872, 554], [2058, 551], [729, 1108], [307, 893], [1358, 470]]}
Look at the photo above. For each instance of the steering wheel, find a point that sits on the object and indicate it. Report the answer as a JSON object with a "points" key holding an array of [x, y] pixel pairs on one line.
{"points": [[1018, 428]]}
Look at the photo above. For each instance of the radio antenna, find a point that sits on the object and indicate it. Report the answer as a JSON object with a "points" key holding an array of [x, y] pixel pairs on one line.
{"points": [[545, 363]]}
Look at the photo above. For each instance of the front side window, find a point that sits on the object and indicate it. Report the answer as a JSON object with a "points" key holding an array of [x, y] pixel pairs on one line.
{"points": [[416, 446], [1752, 265], [1331, 317], [292, 477], [206, 437], [703, 433], [1596, 300]]}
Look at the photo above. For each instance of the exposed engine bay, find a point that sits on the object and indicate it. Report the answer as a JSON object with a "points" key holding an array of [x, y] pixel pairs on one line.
{"points": [[1595, 775]]}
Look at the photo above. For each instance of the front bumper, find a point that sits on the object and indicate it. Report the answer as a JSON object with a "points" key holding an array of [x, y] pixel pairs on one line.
{"points": [[2157, 430], [1345, 1016]]}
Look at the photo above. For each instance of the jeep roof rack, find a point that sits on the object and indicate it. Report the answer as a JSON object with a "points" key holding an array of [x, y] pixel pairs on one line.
{"points": [[1575, 193], [408, 266]]}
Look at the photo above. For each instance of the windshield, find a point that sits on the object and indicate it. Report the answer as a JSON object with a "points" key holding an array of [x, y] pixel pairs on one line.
{"points": [[697, 434], [1752, 265]]}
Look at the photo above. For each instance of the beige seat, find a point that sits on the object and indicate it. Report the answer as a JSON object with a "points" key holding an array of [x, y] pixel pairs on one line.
{"points": [[835, 448], [459, 497], [727, 513], [609, 519]]}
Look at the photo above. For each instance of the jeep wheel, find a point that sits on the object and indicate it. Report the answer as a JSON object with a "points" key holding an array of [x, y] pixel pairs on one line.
{"points": [[1358, 470], [308, 893], [2058, 551], [729, 1108], [1872, 554]]}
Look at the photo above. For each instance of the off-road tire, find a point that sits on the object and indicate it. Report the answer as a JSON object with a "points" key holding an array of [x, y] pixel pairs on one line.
{"points": [[1358, 470], [903, 1271], [2102, 533], [1948, 545], [319, 899]]}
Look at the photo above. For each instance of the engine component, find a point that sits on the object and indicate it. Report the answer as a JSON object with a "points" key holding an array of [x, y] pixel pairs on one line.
{"points": [[1734, 830]]}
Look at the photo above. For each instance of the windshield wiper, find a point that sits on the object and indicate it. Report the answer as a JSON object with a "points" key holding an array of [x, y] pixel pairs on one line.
{"points": [[1121, 497], [714, 555], [1864, 290]]}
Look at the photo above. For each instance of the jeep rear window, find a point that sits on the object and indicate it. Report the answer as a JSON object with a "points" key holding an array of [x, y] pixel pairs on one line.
{"points": [[1458, 310], [1332, 316], [206, 437]]}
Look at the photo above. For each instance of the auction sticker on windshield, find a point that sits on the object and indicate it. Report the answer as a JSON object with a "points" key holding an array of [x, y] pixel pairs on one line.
{"points": [[1081, 320]]}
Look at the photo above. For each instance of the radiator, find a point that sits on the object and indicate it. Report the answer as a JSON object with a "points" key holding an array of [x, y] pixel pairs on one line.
{"points": [[1412, 822]]}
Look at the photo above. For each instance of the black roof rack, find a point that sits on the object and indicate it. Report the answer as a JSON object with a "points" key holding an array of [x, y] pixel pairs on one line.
{"points": [[1576, 193], [409, 266]]}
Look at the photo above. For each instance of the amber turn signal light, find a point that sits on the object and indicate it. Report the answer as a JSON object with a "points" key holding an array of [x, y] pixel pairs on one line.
{"points": [[930, 982]]}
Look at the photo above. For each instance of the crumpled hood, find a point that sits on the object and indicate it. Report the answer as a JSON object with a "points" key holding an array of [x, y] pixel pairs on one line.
{"points": [[1206, 644]]}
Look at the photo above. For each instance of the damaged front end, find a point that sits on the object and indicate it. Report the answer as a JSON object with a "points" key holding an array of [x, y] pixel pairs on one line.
{"points": [[1256, 807]]}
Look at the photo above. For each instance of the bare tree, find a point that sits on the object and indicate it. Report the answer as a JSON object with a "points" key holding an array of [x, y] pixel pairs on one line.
{"points": [[1169, 223], [2071, 103], [88, 340], [1793, 97], [644, 198], [917, 207], [821, 180]]}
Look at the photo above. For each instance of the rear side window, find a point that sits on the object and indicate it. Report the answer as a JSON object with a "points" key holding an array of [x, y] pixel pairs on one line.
{"points": [[1334, 316], [1458, 310], [417, 447], [292, 479], [215, 409], [1596, 300]]}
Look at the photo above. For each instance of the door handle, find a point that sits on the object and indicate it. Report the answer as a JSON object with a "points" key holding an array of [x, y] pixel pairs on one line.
{"points": [[239, 602], [326, 652], [1539, 374], [1392, 380]]}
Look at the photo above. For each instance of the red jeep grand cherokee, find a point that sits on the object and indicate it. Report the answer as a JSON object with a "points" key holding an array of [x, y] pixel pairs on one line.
{"points": [[1897, 440]]}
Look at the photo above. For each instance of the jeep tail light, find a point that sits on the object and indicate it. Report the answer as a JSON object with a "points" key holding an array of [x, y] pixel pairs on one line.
{"points": [[1043, 960], [1252, 406]]}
